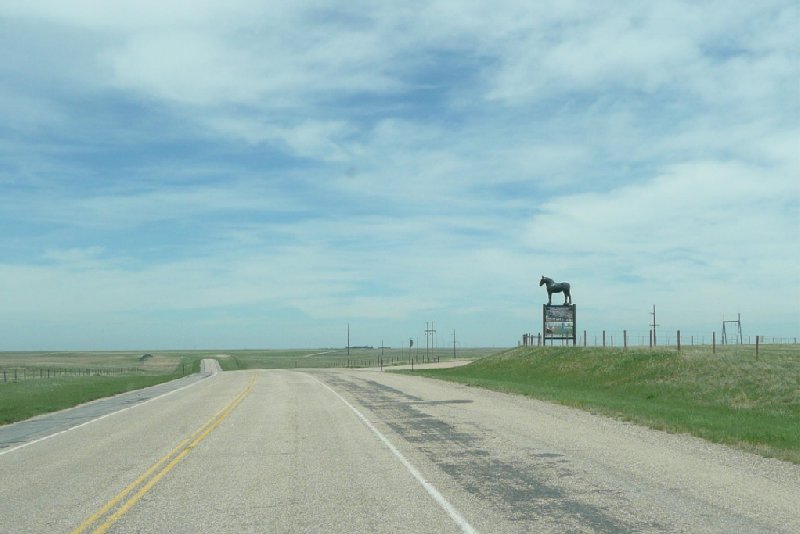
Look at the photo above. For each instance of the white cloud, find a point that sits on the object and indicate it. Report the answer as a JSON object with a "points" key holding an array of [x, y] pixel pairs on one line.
{"points": [[696, 225], [136, 204], [386, 160]]}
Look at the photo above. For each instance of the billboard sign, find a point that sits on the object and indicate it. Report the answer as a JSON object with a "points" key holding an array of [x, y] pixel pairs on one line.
{"points": [[559, 322]]}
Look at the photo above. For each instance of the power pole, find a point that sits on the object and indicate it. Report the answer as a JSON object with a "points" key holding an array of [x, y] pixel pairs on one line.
{"points": [[430, 332], [654, 325], [738, 323], [427, 329]]}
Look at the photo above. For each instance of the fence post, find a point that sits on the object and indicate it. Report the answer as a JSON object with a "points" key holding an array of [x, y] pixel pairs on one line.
{"points": [[713, 342], [679, 340], [625, 339], [604, 339], [757, 347]]}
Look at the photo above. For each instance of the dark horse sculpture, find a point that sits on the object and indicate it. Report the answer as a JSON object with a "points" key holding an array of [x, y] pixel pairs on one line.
{"points": [[552, 287]]}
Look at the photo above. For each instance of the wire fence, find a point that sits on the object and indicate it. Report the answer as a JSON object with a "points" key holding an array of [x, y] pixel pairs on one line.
{"points": [[19, 374], [379, 362], [674, 339]]}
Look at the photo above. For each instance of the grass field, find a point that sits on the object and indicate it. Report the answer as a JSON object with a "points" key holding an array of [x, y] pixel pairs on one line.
{"points": [[62, 386], [324, 358], [728, 397], [23, 399]]}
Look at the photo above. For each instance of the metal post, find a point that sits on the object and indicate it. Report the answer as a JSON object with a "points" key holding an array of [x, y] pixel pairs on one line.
{"points": [[654, 325]]}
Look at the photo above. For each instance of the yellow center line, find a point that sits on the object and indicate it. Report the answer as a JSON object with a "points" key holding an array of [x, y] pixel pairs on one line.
{"points": [[150, 477]]}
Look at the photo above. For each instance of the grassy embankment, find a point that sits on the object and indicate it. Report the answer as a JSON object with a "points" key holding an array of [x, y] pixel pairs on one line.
{"points": [[729, 397]]}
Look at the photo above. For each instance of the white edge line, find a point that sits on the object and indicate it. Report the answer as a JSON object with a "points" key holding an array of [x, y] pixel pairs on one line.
{"points": [[432, 491], [39, 440]]}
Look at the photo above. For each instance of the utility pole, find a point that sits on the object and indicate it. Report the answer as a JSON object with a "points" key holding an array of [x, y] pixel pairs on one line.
{"points": [[427, 329], [429, 333], [654, 325]]}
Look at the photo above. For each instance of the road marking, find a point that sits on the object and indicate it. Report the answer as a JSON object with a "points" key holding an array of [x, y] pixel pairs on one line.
{"points": [[70, 429], [430, 488], [156, 472]]}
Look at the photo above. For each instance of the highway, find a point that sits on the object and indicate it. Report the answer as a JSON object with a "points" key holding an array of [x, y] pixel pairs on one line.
{"points": [[366, 451]]}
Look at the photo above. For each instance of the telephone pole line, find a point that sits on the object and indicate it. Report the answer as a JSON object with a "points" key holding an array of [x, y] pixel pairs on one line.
{"points": [[430, 331], [654, 325]]}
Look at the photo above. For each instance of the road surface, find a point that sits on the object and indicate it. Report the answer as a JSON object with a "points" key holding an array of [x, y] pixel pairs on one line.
{"points": [[365, 451]]}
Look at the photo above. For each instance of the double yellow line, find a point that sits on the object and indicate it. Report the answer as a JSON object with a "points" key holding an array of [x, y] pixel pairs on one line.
{"points": [[114, 509]]}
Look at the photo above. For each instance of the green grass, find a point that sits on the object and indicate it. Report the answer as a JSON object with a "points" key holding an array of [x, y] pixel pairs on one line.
{"points": [[22, 400], [729, 397], [27, 398]]}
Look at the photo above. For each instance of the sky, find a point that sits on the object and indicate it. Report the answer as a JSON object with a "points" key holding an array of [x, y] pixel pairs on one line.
{"points": [[252, 174]]}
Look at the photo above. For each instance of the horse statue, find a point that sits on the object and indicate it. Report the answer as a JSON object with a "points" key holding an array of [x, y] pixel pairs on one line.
{"points": [[552, 287]]}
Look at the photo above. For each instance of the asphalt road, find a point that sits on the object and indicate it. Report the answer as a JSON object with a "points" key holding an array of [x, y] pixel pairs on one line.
{"points": [[364, 451]]}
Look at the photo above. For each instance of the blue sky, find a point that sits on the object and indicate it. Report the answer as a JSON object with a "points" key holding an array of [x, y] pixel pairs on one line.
{"points": [[248, 174]]}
